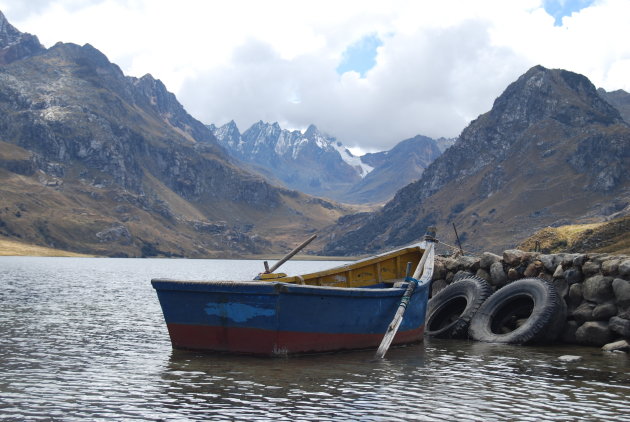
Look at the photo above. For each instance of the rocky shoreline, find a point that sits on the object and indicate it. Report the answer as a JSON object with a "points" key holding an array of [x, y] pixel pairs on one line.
{"points": [[595, 288]]}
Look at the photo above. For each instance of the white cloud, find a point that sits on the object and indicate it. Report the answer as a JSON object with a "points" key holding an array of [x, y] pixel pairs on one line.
{"points": [[441, 63]]}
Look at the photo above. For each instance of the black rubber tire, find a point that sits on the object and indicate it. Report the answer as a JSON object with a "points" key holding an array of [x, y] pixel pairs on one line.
{"points": [[450, 311], [528, 310]]}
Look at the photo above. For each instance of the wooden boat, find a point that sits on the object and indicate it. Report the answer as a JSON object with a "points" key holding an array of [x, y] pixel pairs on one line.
{"points": [[347, 307]]}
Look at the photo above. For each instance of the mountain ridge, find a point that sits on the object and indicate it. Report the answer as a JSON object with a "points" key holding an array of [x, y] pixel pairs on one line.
{"points": [[553, 120], [97, 162], [318, 164]]}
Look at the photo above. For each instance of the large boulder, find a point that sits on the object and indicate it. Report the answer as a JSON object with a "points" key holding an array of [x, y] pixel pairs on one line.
{"points": [[598, 289], [594, 333], [620, 326]]}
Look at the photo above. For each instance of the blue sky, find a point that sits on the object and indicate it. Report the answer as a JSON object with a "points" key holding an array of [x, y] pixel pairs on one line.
{"points": [[360, 56], [369, 72], [561, 8]]}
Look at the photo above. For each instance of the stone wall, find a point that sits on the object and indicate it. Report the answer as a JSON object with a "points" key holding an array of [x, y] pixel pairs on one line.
{"points": [[595, 287]]}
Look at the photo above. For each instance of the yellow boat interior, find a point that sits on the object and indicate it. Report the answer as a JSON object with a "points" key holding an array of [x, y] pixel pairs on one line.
{"points": [[389, 267]]}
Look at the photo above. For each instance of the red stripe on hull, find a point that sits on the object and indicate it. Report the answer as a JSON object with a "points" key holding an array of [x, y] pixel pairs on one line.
{"points": [[266, 342]]}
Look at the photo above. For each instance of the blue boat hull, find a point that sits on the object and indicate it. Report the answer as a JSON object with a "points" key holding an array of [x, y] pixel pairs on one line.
{"points": [[273, 318]]}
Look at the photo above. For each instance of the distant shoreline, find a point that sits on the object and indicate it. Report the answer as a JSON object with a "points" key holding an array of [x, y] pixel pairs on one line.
{"points": [[14, 248]]}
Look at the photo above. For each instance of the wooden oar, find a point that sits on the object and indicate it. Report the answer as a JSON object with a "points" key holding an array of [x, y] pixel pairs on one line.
{"points": [[286, 257], [425, 267]]}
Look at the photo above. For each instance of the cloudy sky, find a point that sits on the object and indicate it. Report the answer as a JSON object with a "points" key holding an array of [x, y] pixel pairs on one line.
{"points": [[369, 72]]}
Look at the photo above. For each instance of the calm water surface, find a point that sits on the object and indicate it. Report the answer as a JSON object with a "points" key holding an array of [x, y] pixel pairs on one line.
{"points": [[84, 339]]}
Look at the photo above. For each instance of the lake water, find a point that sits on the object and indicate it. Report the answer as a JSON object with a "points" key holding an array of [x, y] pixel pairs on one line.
{"points": [[84, 339]]}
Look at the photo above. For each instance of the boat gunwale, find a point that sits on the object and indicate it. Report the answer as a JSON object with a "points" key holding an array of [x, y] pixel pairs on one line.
{"points": [[275, 287]]}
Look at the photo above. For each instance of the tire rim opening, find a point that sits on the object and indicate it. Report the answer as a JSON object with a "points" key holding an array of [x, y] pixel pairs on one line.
{"points": [[448, 314], [512, 315]]}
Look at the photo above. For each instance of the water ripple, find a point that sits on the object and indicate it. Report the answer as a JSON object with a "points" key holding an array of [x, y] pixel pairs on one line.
{"points": [[84, 339]]}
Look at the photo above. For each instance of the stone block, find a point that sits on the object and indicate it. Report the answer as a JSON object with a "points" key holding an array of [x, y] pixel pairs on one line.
{"points": [[575, 295], [573, 275], [514, 257], [621, 290], [624, 268], [594, 333], [579, 260], [533, 269], [617, 346], [550, 261], [558, 273], [590, 268], [561, 286], [487, 259], [610, 267], [497, 275], [481, 273], [620, 326], [604, 311], [584, 312], [598, 289]]}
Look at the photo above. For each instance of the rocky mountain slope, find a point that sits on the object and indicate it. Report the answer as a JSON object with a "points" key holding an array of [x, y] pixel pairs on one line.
{"points": [[311, 162], [318, 164], [551, 151], [94, 161], [394, 169], [619, 99]]}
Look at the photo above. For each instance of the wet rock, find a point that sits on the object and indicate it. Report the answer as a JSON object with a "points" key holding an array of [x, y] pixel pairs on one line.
{"points": [[604, 311], [590, 268], [487, 259], [575, 295], [594, 333], [569, 358], [497, 275], [573, 275], [558, 273], [624, 268], [620, 326], [617, 346], [584, 312], [598, 289]]}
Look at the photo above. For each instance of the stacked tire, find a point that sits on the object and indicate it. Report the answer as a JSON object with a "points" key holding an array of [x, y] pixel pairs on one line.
{"points": [[528, 310], [450, 311]]}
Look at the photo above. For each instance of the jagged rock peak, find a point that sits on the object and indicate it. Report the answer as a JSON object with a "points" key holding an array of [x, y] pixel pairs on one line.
{"points": [[536, 96], [8, 33], [16, 45]]}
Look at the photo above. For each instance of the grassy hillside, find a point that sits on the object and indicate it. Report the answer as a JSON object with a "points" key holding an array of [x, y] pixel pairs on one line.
{"points": [[12, 248], [607, 237]]}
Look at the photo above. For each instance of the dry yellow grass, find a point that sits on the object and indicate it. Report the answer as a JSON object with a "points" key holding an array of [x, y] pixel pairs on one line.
{"points": [[608, 237], [13, 248]]}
